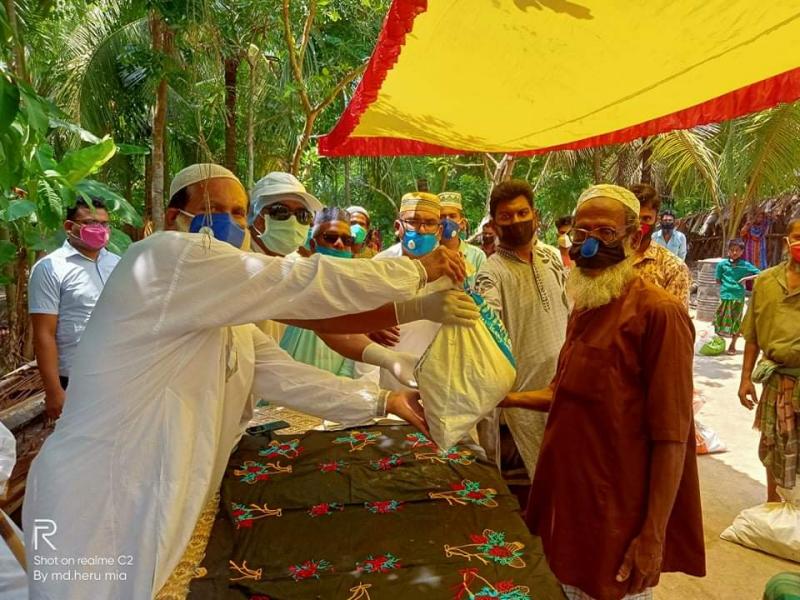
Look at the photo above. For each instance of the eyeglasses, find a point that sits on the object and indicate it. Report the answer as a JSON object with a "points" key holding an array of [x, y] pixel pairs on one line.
{"points": [[104, 224], [281, 212], [604, 234], [331, 237], [429, 225]]}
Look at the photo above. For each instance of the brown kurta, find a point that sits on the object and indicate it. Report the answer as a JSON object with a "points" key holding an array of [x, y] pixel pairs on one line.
{"points": [[624, 381]]}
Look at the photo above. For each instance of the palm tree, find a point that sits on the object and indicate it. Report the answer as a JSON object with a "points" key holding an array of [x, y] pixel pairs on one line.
{"points": [[735, 163]]}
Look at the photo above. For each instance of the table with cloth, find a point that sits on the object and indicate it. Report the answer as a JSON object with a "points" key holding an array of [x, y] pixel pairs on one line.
{"points": [[367, 514]]}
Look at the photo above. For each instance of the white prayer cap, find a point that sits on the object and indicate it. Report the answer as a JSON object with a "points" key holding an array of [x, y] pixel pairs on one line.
{"points": [[197, 173], [358, 210], [614, 192], [277, 186]]}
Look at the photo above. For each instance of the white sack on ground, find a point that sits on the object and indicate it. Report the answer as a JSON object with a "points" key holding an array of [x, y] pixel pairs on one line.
{"points": [[773, 527], [464, 375]]}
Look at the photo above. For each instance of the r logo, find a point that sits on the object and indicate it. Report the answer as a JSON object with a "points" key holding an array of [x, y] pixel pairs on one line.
{"points": [[45, 528]]}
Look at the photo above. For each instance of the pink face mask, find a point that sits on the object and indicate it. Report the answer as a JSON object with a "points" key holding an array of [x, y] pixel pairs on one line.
{"points": [[794, 250], [94, 236]]}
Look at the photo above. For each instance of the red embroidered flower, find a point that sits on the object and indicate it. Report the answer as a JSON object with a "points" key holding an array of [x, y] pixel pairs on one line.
{"points": [[454, 456], [500, 551], [505, 586], [244, 523], [476, 495], [360, 436], [253, 469], [238, 512], [457, 486], [320, 509], [262, 476], [479, 539]]}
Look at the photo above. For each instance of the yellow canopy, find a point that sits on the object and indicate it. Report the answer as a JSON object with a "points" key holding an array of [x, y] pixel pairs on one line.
{"points": [[524, 76]]}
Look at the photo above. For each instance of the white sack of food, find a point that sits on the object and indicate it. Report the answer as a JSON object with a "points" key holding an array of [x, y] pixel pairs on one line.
{"points": [[464, 374], [773, 527], [8, 457]]}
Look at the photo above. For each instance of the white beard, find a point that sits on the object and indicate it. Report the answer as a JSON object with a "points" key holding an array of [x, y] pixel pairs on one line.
{"points": [[590, 292]]}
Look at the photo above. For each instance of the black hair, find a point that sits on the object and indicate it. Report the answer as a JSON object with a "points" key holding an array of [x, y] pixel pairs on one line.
{"points": [[507, 191], [648, 196], [180, 199], [736, 242], [668, 213], [562, 221], [83, 203]]}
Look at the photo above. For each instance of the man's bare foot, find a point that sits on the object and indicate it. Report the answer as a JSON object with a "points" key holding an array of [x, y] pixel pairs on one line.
{"points": [[731, 352]]}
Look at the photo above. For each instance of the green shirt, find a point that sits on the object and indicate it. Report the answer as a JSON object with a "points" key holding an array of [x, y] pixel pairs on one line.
{"points": [[729, 274], [773, 316]]}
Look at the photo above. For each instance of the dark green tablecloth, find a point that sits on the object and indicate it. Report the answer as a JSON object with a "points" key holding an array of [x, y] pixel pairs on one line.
{"points": [[374, 514]]}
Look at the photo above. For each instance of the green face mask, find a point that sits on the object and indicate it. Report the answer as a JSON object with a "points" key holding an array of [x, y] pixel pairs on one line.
{"points": [[284, 237], [359, 233]]}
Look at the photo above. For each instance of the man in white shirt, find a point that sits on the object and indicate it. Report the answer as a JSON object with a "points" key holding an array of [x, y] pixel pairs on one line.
{"points": [[418, 226], [162, 382], [62, 293], [669, 237]]}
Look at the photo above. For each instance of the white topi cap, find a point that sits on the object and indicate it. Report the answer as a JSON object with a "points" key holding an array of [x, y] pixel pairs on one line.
{"points": [[197, 173], [606, 190]]}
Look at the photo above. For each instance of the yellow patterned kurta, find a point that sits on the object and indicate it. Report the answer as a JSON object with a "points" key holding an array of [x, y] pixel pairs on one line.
{"points": [[662, 268]]}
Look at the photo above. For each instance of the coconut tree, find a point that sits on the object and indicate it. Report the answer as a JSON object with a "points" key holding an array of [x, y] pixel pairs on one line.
{"points": [[735, 163]]}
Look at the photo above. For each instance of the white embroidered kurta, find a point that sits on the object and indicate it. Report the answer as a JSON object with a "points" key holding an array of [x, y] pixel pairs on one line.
{"points": [[160, 393]]}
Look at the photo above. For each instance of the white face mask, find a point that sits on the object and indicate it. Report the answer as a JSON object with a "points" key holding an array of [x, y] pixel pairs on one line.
{"points": [[284, 237]]}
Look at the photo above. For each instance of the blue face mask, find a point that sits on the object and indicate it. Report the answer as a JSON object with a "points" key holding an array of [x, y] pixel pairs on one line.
{"points": [[222, 226], [359, 233], [419, 244], [450, 229], [335, 252]]}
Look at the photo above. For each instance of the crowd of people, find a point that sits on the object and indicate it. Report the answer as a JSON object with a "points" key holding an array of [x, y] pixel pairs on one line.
{"points": [[271, 295]]}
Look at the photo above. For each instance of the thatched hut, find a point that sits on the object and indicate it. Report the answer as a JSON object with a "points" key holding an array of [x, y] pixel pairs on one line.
{"points": [[704, 230]]}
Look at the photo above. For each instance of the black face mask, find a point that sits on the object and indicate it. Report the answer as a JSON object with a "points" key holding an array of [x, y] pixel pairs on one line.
{"points": [[517, 234], [668, 226], [596, 254]]}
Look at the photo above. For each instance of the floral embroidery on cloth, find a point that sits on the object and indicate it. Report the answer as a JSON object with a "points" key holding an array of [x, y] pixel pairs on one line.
{"points": [[490, 546], [467, 492], [253, 471], [360, 592], [291, 449], [419, 440], [452, 456], [244, 572], [382, 507], [245, 515], [383, 563], [502, 590], [309, 569], [326, 508], [334, 466], [386, 463], [358, 440]]}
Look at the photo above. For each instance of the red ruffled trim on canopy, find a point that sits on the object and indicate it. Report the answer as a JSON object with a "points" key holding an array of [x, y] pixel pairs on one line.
{"points": [[761, 95], [398, 23]]}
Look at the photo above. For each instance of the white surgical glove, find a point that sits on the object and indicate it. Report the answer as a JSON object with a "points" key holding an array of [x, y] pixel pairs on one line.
{"points": [[451, 307], [400, 364]]}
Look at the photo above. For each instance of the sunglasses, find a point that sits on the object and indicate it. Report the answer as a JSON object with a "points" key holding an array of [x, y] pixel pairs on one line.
{"points": [[332, 237], [281, 212]]}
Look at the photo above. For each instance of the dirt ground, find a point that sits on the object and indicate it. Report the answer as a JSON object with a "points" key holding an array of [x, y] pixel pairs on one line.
{"points": [[729, 482]]}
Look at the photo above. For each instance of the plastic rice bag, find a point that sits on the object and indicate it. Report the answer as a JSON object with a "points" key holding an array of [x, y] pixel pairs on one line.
{"points": [[772, 527], [464, 374]]}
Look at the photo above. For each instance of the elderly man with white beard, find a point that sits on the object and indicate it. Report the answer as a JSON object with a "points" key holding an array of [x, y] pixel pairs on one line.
{"points": [[615, 496]]}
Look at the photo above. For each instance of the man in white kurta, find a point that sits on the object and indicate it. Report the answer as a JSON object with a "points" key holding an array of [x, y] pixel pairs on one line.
{"points": [[160, 394]]}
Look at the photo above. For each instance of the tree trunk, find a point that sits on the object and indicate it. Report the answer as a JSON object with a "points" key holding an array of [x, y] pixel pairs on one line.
{"points": [[231, 66], [20, 66], [647, 167], [596, 166], [302, 143], [161, 41], [251, 124], [347, 180]]}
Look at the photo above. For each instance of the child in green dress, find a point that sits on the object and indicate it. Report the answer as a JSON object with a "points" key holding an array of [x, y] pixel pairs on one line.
{"points": [[730, 274]]}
